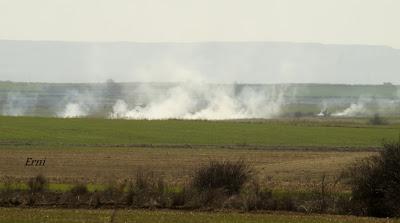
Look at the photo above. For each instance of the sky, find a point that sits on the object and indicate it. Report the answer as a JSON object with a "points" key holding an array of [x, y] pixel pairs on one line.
{"points": [[371, 22]]}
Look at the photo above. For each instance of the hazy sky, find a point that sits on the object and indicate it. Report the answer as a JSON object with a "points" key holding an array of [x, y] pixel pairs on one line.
{"points": [[374, 22]]}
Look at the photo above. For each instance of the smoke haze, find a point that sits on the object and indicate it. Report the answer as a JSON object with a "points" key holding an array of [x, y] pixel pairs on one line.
{"points": [[197, 80], [200, 101], [18, 104]]}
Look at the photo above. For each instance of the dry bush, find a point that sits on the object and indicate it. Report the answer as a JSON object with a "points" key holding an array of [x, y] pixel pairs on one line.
{"points": [[79, 189], [375, 183], [114, 189], [322, 197], [95, 200], [254, 197], [213, 185], [146, 191], [227, 176], [38, 183]]}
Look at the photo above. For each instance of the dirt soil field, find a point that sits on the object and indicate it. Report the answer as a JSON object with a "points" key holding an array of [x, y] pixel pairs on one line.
{"points": [[279, 169]]}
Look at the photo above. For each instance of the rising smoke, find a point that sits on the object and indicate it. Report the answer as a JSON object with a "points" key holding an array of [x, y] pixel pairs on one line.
{"points": [[78, 104], [186, 100], [202, 101], [355, 109], [73, 110], [19, 104], [367, 106]]}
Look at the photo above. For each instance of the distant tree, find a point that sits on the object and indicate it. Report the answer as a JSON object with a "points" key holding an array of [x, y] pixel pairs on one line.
{"points": [[377, 120], [112, 89]]}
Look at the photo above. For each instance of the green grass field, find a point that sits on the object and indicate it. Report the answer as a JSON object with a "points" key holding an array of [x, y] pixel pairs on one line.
{"points": [[53, 131], [8, 215]]}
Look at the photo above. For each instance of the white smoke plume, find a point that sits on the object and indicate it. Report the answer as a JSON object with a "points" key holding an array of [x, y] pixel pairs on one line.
{"points": [[364, 106], [324, 110], [19, 104], [355, 109], [78, 104], [73, 110], [201, 101]]}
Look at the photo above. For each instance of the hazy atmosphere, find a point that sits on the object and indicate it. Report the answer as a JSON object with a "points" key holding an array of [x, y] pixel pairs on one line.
{"points": [[310, 41]]}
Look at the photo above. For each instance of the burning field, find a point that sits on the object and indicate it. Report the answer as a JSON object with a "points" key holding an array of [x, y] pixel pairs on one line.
{"points": [[197, 100]]}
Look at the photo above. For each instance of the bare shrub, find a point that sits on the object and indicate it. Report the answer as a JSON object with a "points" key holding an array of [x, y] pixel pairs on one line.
{"points": [[375, 183], [222, 175], [254, 197], [38, 183], [178, 197], [79, 189], [114, 191], [322, 197], [146, 191], [121, 185], [95, 200]]}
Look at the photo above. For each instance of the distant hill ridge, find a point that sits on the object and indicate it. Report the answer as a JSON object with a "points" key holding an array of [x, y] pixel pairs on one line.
{"points": [[214, 62]]}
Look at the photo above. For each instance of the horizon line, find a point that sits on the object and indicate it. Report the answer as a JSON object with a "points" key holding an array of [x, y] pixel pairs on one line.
{"points": [[197, 82]]}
